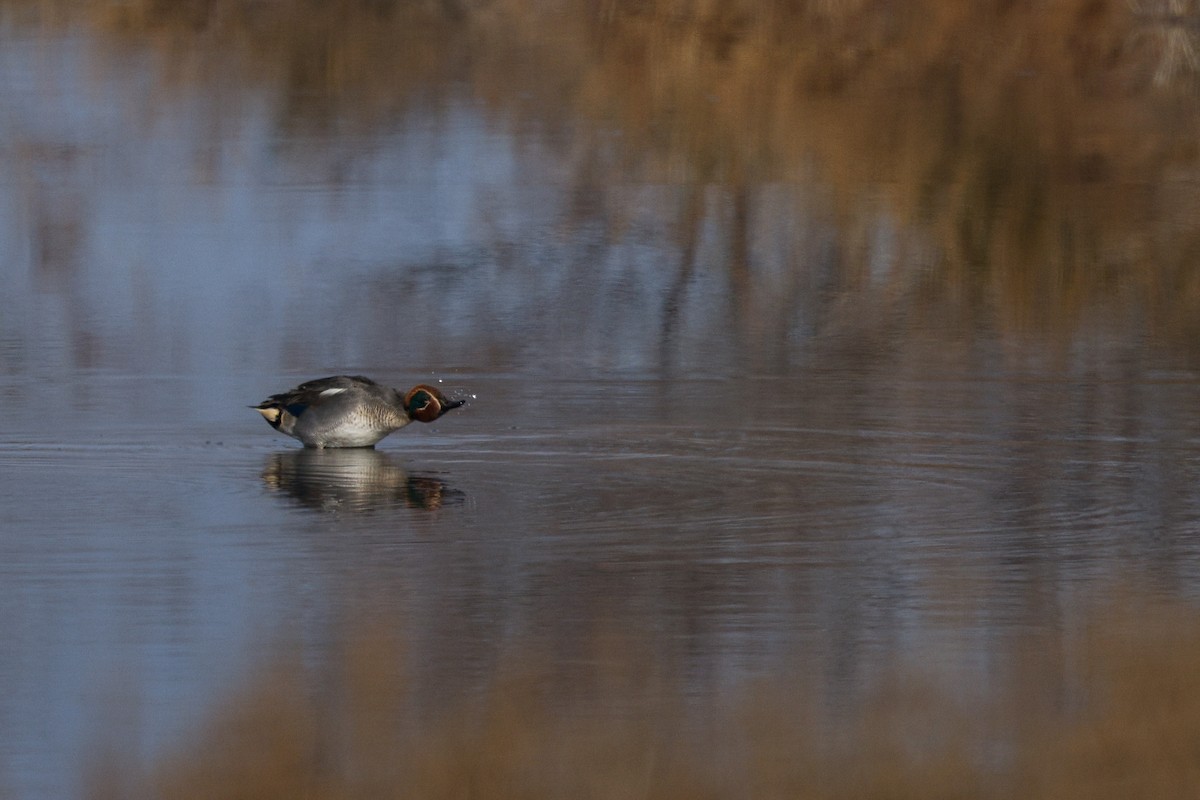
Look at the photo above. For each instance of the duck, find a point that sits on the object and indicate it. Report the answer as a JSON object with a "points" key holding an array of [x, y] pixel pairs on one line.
{"points": [[350, 410]]}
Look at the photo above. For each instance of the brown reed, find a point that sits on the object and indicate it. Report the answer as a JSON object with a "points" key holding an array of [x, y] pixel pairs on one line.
{"points": [[1112, 712]]}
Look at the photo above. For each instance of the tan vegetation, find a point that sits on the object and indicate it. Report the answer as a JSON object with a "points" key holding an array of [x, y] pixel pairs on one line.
{"points": [[1041, 155], [1030, 141], [1114, 712]]}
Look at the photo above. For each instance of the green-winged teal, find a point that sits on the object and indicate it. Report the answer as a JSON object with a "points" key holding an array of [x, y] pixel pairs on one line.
{"points": [[350, 410]]}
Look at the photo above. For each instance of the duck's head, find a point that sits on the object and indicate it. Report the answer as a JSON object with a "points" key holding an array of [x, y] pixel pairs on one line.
{"points": [[425, 403]]}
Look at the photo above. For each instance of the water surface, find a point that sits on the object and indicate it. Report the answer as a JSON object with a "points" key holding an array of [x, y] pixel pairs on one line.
{"points": [[773, 463]]}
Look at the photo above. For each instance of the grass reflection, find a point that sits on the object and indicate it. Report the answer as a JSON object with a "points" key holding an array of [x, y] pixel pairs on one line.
{"points": [[1112, 713], [1039, 155]]}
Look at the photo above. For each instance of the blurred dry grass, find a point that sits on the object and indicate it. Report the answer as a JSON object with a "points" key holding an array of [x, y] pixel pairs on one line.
{"points": [[1045, 149], [1112, 713], [1030, 141]]}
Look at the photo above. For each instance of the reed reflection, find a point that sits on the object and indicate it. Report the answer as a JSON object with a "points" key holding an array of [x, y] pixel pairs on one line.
{"points": [[900, 167], [1029, 156], [354, 480]]}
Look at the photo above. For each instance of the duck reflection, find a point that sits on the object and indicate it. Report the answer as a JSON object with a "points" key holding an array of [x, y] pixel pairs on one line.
{"points": [[357, 480]]}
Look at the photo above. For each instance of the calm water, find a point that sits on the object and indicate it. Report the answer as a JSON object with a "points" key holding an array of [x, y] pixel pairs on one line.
{"points": [[768, 470]]}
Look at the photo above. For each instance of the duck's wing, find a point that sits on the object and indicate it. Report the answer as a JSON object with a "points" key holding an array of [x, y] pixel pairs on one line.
{"points": [[314, 392], [333, 382]]}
